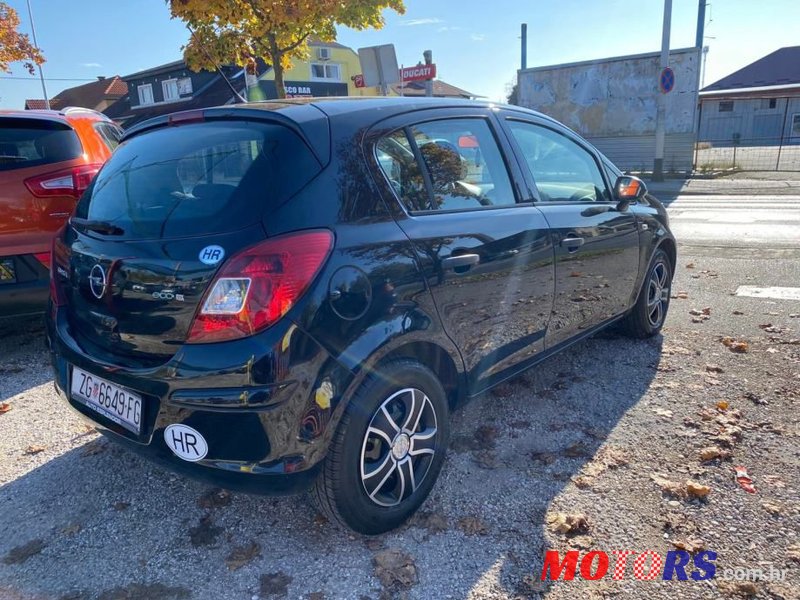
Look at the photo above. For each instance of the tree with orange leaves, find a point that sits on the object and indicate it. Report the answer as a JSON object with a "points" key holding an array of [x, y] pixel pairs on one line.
{"points": [[15, 46], [236, 31]]}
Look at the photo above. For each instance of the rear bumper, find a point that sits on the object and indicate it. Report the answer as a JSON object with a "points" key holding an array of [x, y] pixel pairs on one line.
{"points": [[264, 405]]}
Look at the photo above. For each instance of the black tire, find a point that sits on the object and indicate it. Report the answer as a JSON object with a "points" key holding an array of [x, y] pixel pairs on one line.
{"points": [[647, 316], [340, 491]]}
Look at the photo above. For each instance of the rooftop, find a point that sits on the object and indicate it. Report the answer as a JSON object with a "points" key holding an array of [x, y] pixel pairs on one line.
{"points": [[781, 68]]}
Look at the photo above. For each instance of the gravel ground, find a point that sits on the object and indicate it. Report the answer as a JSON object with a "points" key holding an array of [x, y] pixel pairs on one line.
{"points": [[609, 432]]}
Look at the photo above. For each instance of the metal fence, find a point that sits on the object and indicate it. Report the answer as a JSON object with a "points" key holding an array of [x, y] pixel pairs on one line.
{"points": [[749, 134]]}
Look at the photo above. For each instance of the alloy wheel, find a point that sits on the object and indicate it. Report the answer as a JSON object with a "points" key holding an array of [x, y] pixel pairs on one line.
{"points": [[398, 447], [658, 288]]}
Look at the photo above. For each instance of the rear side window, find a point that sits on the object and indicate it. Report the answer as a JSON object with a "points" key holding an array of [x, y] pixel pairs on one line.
{"points": [[198, 179], [110, 134], [32, 142], [446, 165]]}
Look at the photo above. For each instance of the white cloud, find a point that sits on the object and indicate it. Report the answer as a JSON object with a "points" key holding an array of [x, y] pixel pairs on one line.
{"points": [[426, 21], [91, 65], [478, 37], [449, 28]]}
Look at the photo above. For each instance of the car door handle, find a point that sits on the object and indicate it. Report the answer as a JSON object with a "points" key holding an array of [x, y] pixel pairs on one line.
{"points": [[460, 261], [572, 243]]}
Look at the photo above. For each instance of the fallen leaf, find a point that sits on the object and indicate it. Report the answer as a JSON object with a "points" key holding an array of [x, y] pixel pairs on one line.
{"points": [[582, 482], [690, 265], [394, 569], [485, 459], [739, 588], [241, 555], [569, 524], [214, 498], [706, 310], [33, 449], [773, 508], [734, 345], [71, 529], [576, 274], [691, 545], [669, 487], [681, 295], [774, 481], [714, 368], [472, 526], [713, 453], [275, 585], [205, 533], [662, 412], [793, 552], [120, 506], [697, 490], [4, 407], [737, 312], [583, 542], [20, 554], [434, 522], [486, 437], [723, 405], [577, 450]]}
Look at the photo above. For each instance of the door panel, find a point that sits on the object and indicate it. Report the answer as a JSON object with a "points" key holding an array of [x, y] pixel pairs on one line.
{"points": [[596, 246], [488, 260]]}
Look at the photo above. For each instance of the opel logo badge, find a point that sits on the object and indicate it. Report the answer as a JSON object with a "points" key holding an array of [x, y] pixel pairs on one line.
{"points": [[97, 281]]}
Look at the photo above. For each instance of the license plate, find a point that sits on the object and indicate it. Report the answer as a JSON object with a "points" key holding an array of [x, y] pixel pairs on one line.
{"points": [[108, 399], [7, 274]]}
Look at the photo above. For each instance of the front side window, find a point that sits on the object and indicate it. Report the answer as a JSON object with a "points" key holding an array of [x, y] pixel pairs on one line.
{"points": [[562, 169], [145, 94], [462, 166]]}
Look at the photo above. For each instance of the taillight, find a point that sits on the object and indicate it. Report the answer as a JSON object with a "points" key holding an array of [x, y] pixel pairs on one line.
{"points": [[44, 258], [68, 182], [259, 285]]}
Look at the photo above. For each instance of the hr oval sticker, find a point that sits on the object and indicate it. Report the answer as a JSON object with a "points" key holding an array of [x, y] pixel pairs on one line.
{"points": [[211, 255], [185, 442]]}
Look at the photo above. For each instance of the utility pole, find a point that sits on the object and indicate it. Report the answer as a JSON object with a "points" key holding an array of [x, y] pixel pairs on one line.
{"points": [[35, 43], [661, 112], [524, 37], [428, 82]]}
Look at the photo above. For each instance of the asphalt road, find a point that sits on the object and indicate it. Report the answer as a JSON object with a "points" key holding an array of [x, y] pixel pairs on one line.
{"points": [[593, 432]]}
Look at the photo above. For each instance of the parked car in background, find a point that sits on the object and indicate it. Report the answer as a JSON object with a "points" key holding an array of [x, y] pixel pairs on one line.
{"points": [[277, 296], [47, 159]]}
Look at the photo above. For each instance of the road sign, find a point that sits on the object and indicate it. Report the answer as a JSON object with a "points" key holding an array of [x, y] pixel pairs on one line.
{"points": [[418, 73], [379, 65], [667, 80]]}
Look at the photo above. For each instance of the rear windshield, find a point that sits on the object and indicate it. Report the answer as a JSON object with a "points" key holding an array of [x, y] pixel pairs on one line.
{"points": [[197, 179], [31, 142]]}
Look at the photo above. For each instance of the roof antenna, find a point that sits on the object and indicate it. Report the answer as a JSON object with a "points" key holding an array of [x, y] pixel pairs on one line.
{"points": [[237, 97]]}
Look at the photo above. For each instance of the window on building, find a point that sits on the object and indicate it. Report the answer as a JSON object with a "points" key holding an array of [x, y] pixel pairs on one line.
{"points": [[325, 71], [170, 89], [145, 94], [767, 103], [726, 106], [185, 86], [796, 125]]}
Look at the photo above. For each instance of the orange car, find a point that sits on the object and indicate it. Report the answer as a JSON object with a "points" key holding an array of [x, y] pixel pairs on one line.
{"points": [[47, 159]]}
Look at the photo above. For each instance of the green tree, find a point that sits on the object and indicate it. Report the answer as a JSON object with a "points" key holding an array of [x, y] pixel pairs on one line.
{"points": [[15, 46], [237, 31]]}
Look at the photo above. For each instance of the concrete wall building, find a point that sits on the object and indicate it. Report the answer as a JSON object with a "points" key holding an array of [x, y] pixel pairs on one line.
{"points": [[612, 102]]}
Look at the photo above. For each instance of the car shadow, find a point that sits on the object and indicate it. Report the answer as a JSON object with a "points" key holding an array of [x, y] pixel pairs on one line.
{"points": [[23, 365], [100, 522]]}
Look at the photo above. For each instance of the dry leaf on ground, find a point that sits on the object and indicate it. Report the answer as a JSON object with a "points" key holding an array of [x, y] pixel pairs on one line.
{"points": [[241, 555], [275, 585], [4, 407], [214, 498], [713, 452], [472, 526], [434, 522], [697, 490], [691, 545], [793, 552], [34, 449], [569, 524], [394, 568], [734, 345], [20, 554]]}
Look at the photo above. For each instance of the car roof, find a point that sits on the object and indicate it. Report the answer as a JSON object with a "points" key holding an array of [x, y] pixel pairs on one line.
{"points": [[64, 115]]}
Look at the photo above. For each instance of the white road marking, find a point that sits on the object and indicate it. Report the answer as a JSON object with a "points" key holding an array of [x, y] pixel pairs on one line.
{"points": [[781, 293]]}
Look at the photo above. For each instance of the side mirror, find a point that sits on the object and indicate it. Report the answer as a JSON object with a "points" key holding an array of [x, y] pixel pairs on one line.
{"points": [[628, 189]]}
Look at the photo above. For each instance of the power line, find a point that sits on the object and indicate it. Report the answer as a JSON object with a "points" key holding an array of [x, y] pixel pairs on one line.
{"points": [[49, 78]]}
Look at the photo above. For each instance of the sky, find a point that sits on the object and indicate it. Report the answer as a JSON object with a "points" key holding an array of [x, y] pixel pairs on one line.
{"points": [[475, 43]]}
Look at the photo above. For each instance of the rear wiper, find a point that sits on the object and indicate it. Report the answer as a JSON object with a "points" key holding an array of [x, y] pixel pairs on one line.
{"points": [[98, 226]]}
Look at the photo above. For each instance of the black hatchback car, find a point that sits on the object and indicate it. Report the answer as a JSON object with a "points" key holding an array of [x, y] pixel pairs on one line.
{"points": [[291, 295]]}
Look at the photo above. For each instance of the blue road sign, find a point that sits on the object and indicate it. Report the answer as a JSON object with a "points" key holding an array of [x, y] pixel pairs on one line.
{"points": [[667, 80]]}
